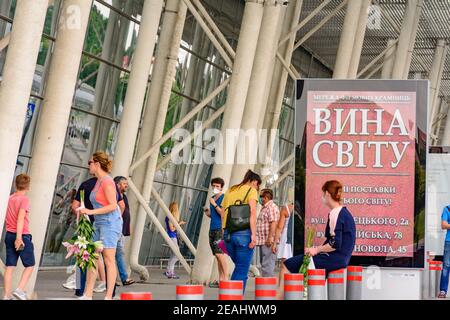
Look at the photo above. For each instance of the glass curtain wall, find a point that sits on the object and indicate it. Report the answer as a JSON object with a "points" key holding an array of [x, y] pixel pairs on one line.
{"points": [[98, 105]]}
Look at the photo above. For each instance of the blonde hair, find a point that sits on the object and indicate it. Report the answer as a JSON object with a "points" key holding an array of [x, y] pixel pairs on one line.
{"points": [[102, 158], [173, 208]]}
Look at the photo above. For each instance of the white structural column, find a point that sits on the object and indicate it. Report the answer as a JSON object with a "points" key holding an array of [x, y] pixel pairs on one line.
{"points": [[155, 114], [347, 40], [259, 87], [54, 118], [137, 85], [359, 40], [412, 40], [15, 88], [406, 36], [446, 137], [435, 78], [134, 99], [438, 122], [389, 58], [280, 75], [237, 92]]}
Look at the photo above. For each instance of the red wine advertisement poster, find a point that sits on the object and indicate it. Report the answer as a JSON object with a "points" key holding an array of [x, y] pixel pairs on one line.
{"points": [[365, 140]]}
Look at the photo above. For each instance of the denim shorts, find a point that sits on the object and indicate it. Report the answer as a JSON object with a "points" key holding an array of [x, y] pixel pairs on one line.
{"points": [[108, 231], [26, 255]]}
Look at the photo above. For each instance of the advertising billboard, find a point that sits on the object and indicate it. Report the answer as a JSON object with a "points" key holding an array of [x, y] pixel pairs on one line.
{"points": [[365, 134]]}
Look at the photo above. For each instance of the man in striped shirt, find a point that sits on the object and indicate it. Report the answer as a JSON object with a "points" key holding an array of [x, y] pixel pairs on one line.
{"points": [[265, 232]]}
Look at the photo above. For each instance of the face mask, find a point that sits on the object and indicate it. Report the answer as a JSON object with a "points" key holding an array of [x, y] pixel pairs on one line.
{"points": [[324, 201], [260, 201], [216, 191]]}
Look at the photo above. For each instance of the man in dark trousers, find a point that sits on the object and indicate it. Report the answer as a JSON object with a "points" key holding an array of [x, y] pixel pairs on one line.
{"points": [[122, 184]]}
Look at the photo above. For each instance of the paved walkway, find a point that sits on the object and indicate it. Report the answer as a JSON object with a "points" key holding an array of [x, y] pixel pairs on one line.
{"points": [[49, 286]]}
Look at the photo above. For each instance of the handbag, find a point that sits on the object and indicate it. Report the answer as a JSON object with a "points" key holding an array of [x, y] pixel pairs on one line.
{"points": [[238, 217]]}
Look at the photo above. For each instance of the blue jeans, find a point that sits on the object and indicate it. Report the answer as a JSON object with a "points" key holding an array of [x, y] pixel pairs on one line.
{"points": [[238, 250], [445, 267], [121, 265]]}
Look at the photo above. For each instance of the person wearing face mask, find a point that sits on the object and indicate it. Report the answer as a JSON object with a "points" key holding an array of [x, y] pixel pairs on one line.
{"points": [[215, 212], [340, 234], [240, 244], [265, 232]]}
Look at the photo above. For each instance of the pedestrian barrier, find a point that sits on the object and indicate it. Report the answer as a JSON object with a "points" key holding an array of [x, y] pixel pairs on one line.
{"points": [[189, 292], [231, 290], [293, 286], [435, 269], [336, 285], [354, 282], [136, 296], [316, 284], [265, 288]]}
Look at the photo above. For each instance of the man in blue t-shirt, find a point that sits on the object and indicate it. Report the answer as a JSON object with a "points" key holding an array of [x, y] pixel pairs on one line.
{"points": [[445, 224], [215, 212]]}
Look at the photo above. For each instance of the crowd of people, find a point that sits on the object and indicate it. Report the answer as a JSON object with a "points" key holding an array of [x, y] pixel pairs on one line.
{"points": [[235, 231]]}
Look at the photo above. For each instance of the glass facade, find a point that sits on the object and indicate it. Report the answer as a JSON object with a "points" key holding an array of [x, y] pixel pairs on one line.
{"points": [[98, 105]]}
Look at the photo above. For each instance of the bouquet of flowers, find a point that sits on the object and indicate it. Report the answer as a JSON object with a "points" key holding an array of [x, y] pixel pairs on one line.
{"points": [[81, 245], [306, 258]]}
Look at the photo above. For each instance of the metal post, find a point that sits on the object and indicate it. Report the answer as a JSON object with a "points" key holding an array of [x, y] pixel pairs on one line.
{"points": [[405, 38], [359, 40], [15, 88], [336, 285], [245, 54], [316, 284], [265, 288], [155, 113], [189, 292], [347, 40], [53, 121], [293, 286], [354, 283], [389, 57]]}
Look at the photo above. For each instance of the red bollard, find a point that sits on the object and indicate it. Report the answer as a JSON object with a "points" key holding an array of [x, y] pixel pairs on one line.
{"points": [[136, 296], [354, 282], [293, 286], [231, 290], [190, 292], [265, 288], [336, 283], [316, 284]]}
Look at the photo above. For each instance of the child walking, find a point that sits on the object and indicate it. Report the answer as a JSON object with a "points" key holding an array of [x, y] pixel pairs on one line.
{"points": [[18, 239]]}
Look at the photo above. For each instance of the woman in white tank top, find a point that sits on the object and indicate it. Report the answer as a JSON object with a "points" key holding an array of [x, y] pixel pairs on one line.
{"points": [[281, 245]]}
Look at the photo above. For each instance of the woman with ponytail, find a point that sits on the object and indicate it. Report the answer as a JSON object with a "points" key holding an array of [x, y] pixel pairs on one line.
{"points": [[240, 244], [108, 221]]}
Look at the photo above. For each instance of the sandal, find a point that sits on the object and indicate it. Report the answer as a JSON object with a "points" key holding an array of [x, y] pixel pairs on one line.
{"points": [[214, 284], [128, 282]]}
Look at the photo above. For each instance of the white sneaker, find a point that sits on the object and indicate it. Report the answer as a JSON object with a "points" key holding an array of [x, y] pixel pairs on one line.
{"points": [[71, 285], [19, 294], [8, 298], [83, 297], [100, 288]]}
